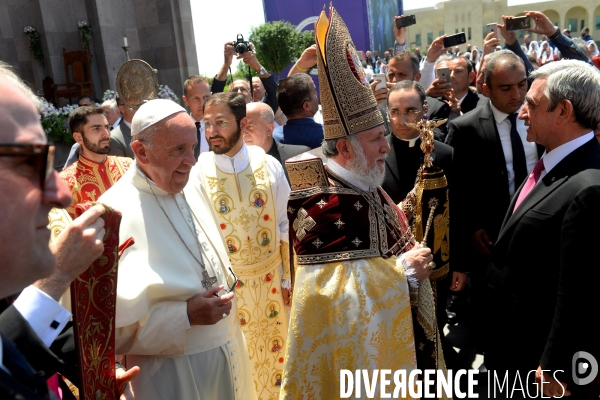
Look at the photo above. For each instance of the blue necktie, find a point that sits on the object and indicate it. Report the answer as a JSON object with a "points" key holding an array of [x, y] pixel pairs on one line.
{"points": [[518, 151]]}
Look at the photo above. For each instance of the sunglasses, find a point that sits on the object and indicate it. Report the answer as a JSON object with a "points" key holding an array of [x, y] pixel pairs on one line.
{"points": [[41, 156]]}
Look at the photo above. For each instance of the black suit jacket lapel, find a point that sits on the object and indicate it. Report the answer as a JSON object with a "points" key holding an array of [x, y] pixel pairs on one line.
{"points": [[570, 165], [490, 132], [391, 162]]}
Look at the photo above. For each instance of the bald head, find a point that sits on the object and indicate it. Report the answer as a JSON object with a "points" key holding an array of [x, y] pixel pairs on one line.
{"points": [[260, 126]]}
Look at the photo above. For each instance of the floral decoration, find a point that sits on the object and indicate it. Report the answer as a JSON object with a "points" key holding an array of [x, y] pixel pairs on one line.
{"points": [[85, 33], [109, 95], [35, 44], [165, 92]]}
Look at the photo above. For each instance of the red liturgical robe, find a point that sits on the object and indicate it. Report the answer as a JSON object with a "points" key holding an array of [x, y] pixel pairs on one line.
{"points": [[88, 180]]}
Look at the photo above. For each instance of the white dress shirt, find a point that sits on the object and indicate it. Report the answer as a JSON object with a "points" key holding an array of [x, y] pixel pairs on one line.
{"points": [[203, 142], [531, 155], [42, 312], [552, 158]]}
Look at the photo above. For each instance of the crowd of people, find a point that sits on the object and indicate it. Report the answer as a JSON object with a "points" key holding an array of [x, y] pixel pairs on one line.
{"points": [[272, 236]]}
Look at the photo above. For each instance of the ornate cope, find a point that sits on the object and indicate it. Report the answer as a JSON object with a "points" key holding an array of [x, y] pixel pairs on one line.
{"points": [[88, 180]]}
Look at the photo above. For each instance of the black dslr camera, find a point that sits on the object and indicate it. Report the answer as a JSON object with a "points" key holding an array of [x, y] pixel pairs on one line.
{"points": [[240, 45]]}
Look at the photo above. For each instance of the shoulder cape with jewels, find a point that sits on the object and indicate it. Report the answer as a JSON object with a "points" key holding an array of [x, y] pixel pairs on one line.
{"points": [[88, 180], [335, 221], [245, 206]]}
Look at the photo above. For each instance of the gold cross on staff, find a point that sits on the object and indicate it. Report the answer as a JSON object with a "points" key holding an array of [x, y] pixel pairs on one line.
{"points": [[425, 128], [208, 281]]}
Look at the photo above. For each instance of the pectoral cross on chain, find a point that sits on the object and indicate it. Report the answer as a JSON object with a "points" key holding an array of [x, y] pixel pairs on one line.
{"points": [[208, 281]]}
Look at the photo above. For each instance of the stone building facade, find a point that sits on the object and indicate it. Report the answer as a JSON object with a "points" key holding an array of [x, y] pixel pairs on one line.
{"points": [[472, 16], [159, 32]]}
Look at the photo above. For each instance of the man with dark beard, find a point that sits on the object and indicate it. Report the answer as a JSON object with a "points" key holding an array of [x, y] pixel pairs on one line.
{"points": [[248, 191], [95, 172]]}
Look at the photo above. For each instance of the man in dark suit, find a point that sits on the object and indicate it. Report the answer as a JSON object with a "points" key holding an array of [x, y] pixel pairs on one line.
{"points": [[407, 103], [404, 66], [491, 160], [461, 75], [544, 279], [120, 137], [465, 99], [28, 192], [259, 132]]}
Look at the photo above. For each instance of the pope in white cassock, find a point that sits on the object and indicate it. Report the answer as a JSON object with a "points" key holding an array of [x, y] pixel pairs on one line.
{"points": [[174, 294]]}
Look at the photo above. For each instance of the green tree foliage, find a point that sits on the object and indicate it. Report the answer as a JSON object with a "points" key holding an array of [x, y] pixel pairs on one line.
{"points": [[274, 44], [305, 39], [277, 44]]}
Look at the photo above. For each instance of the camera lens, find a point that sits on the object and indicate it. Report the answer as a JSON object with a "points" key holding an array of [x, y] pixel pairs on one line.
{"points": [[241, 48]]}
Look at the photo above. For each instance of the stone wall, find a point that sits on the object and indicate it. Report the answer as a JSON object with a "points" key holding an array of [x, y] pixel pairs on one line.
{"points": [[158, 31]]}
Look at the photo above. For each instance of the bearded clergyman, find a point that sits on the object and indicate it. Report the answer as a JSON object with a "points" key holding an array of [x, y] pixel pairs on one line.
{"points": [[362, 297]]}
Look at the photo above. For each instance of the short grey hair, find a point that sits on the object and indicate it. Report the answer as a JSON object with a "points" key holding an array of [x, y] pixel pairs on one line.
{"points": [[112, 103], [442, 58], [581, 45], [329, 149], [492, 60], [576, 81], [6, 70]]}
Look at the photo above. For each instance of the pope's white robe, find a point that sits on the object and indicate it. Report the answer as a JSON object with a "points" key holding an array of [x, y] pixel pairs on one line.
{"points": [[157, 275]]}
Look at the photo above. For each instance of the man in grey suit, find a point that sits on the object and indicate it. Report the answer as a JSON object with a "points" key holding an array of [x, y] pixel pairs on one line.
{"points": [[120, 137]]}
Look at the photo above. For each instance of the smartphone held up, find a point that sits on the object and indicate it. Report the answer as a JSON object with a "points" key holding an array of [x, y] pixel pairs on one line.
{"points": [[516, 23]]}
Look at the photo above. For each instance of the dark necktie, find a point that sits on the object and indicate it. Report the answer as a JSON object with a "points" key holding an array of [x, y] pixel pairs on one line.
{"points": [[20, 369], [519, 162], [199, 137]]}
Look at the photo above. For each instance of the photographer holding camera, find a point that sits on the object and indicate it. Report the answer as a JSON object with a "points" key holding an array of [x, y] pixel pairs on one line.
{"points": [[244, 52]]}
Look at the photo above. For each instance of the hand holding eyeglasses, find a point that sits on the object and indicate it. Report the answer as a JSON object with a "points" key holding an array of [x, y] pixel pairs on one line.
{"points": [[206, 309]]}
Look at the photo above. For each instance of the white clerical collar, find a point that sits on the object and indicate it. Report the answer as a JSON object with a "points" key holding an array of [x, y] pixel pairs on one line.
{"points": [[411, 142], [195, 120], [347, 175], [237, 163], [500, 116]]}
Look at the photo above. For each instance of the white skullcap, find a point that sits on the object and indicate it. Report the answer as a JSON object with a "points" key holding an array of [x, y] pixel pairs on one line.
{"points": [[152, 112]]}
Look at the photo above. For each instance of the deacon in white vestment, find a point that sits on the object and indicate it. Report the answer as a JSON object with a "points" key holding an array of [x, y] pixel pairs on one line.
{"points": [[248, 193], [174, 295]]}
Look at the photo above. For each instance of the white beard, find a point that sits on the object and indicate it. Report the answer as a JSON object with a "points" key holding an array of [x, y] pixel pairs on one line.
{"points": [[371, 177]]}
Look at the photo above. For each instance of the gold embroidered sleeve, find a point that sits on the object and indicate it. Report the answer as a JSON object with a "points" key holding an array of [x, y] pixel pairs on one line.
{"points": [[285, 257]]}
